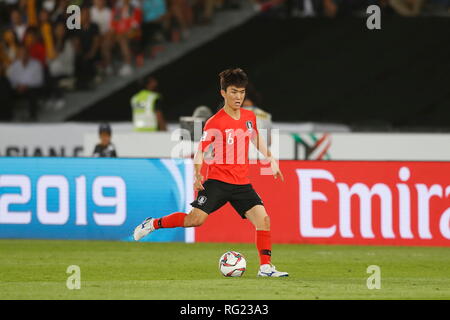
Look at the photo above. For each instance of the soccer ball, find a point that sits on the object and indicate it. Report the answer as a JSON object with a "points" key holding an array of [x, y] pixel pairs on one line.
{"points": [[232, 264]]}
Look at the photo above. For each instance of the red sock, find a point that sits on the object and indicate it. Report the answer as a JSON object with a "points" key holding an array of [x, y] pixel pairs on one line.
{"points": [[264, 246], [173, 220]]}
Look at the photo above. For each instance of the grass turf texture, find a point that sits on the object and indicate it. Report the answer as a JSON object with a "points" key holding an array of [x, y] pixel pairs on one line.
{"points": [[36, 269]]}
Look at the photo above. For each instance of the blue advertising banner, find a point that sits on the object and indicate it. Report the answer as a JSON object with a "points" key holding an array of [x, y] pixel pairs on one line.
{"points": [[91, 198]]}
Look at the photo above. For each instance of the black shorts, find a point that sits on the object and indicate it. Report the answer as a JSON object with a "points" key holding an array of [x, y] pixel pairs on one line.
{"points": [[217, 194]]}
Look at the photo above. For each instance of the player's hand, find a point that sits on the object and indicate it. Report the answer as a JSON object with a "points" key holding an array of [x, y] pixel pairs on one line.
{"points": [[198, 182], [276, 169]]}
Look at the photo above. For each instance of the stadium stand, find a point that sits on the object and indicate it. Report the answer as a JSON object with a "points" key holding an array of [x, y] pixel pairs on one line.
{"points": [[121, 38], [318, 70], [122, 41]]}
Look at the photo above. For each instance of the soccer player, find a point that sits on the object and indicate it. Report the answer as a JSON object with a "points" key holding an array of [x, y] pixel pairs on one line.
{"points": [[229, 132]]}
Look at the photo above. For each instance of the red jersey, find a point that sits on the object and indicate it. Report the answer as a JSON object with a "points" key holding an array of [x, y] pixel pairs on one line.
{"points": [[230, 139], [125, 18]]}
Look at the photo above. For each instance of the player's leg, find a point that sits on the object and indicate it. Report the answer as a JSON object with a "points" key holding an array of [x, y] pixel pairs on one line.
{"points": [[249, 205], [195, 218], [260, 219], [208, 201]]}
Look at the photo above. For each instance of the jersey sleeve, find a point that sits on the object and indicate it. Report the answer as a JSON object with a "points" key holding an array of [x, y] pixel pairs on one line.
{"points": [[207, 136]]}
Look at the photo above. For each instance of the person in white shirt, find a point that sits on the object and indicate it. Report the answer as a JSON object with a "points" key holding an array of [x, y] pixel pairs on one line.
{"points": [[62, 65], [101, 14], [26, 76]]}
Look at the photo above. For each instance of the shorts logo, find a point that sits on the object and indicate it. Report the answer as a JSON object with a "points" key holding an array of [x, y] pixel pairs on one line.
{"points": [[202, 200]]}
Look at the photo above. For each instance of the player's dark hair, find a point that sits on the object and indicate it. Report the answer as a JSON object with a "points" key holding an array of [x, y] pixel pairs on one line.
{"points": [[233, 77]]}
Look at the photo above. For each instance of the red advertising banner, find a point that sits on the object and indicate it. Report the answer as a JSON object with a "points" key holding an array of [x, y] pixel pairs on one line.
{"points": [[346, 202]]}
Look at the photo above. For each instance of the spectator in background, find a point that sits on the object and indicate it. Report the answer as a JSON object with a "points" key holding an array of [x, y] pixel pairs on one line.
{"points": [[63, 64], [105, 149], [35, 46], [87, 45], [182, 14], [101, 15], [407, 8], [126, 24], [17, 25], [155, 19], [6, 100], [49, 5], [146, 107], [9, 47], [59, 13], [46, 33], [26, 76], [206, 10]]}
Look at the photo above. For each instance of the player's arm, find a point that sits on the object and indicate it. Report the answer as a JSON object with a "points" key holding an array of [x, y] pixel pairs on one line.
{"points": [[198, 178], [205, 142], [261, 145], [199, 158]]}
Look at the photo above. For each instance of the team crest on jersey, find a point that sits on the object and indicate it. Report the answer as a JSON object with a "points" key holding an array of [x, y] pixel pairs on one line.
{"points": [[202, 200], [249, 125]]}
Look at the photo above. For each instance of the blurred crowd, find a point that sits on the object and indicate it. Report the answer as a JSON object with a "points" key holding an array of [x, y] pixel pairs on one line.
{"points": [[41, 58], [336, 8]]}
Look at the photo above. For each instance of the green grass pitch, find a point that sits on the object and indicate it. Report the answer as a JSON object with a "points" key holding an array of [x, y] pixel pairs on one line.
{"points": [[36, 269]]}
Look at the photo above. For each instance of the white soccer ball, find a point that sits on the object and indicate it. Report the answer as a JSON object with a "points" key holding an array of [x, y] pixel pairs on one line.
{"points": [[232, 264]]}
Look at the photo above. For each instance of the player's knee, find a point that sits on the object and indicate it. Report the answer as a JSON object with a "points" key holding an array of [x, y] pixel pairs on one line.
{"points": [[198, 222], [266, 223], [195, 220]]}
